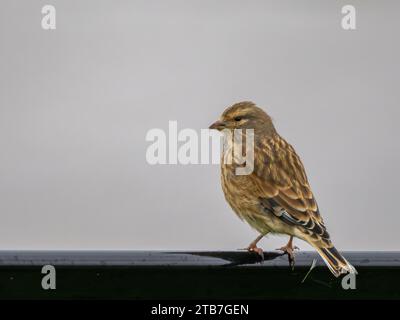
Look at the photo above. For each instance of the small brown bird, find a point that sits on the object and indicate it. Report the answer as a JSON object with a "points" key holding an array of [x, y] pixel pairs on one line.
{"points": [[276, 196]]}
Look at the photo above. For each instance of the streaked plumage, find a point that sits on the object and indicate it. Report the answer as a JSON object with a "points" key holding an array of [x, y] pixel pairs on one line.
{"points": [[276, 197]]}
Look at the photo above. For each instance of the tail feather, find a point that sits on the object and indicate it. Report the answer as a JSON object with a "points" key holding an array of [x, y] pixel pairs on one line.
{"points": [[336, 263]]}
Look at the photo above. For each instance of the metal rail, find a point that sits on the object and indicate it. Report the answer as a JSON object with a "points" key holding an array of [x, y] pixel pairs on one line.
{"points": [[194, 275]]}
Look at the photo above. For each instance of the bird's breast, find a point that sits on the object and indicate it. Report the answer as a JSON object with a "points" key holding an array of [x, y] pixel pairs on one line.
{"points": [[239, 190]]}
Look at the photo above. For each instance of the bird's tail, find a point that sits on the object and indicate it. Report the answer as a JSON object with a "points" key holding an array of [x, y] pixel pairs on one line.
{"points": [[336, 263]]}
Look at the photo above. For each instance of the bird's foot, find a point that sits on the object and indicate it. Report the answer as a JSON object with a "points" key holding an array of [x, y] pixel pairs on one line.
{"points": [[289, 249], [259, 251]]}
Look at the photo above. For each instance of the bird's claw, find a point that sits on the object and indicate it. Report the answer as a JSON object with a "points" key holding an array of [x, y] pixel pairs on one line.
{"points": [[257, 250], [289, 250]]}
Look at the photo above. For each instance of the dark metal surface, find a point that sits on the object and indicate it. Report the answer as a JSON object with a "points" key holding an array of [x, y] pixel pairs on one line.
{"points": [[184, 258], [193, 275]]}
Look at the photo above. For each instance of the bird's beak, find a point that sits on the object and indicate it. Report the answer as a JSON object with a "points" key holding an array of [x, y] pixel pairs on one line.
{"points": [[218, 125]]}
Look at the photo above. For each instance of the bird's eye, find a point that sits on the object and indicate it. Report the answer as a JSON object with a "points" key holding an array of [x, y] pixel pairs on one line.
{"points": [[238, 118]]}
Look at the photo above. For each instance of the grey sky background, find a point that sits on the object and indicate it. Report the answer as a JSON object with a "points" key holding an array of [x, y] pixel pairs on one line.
{"points": [[76, 103]]}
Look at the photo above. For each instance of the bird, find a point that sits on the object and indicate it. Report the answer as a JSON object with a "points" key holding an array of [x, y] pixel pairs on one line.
{"points": [[276, 197]]}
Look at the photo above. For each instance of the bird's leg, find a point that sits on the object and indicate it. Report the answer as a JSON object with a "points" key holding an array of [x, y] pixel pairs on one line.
{"points": [[253, 246], [289, 250]]}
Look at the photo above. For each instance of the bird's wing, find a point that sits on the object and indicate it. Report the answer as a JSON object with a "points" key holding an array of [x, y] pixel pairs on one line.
{"points": [[284, 188]]}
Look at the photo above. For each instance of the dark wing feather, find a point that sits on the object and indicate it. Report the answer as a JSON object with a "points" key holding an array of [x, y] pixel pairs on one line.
{"points": [[285, 190]]}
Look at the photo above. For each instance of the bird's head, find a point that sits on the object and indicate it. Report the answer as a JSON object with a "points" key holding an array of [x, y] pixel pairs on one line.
{"points": [[245, 115]]}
